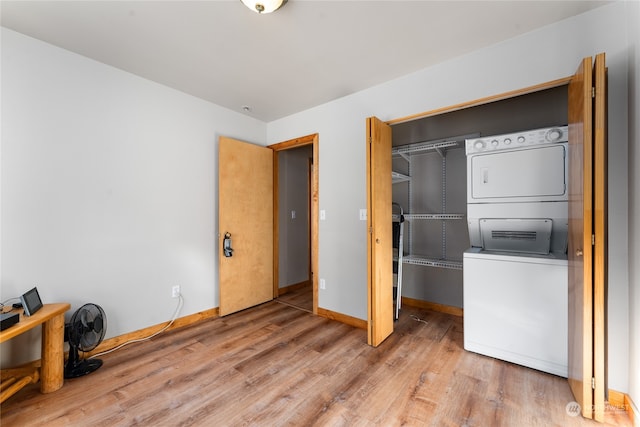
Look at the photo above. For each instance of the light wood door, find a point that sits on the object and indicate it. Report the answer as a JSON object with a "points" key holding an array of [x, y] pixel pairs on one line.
{"points": [[600, 239], [587, 236], [379, 232], [245, 201]]}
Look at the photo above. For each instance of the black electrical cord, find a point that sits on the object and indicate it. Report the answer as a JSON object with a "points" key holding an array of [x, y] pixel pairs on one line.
{"points": [[5, 302]]}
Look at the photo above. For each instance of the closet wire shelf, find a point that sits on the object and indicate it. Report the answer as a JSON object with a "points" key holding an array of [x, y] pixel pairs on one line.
{"points": [[397, 177], [405, 151], [418, 260], [424, 146], [445, 216], [430, 262]]}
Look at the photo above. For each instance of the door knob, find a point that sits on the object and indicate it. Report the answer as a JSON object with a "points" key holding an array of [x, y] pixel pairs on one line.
{"points": [[578, 252]]}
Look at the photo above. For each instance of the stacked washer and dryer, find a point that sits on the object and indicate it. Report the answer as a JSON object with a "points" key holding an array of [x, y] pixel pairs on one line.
{"points": [[515, 273]]}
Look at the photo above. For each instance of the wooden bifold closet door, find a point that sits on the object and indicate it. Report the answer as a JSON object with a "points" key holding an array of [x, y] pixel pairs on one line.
{"points": [[379, 232], [587, 235]]}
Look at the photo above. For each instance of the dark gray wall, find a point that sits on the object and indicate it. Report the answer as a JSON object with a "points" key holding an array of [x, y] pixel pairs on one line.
{"points": [[293, 190]]}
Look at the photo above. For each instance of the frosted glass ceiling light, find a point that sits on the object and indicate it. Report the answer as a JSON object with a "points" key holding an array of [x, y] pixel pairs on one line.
{"points": [[264, 6]]}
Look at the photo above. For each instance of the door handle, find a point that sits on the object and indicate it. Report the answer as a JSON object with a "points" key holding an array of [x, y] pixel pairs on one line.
{"points": [[226, 245], [578, 252]]}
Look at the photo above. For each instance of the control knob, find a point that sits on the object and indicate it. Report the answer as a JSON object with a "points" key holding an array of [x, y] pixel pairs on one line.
{"points": [[521, 139], [495, 143], [507, 141], [479, 145], [553, 135]]}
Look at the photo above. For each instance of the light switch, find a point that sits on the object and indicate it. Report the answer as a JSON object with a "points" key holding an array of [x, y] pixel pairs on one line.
{"points": [[323, 215], [293, 214], [363, 214]]}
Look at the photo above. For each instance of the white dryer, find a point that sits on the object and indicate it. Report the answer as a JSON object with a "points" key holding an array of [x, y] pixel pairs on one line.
{"points": [[521, 181]]}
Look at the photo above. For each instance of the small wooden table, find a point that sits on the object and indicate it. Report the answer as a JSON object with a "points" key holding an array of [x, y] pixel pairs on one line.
{"points": [[51, 317]]}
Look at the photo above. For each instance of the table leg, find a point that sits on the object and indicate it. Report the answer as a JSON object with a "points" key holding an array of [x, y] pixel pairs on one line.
{"points": [[52, 371]]}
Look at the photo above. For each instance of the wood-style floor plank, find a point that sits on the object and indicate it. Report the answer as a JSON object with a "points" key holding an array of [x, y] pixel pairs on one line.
{"points": [[301, 298], [275, 365]]}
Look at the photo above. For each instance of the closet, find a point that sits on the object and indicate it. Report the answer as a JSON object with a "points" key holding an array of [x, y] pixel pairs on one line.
{"points": [[429, 182]]}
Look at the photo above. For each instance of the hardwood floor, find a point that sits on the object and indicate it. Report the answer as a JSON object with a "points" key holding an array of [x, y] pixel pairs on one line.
{"points": [[301, 298], [274, 365]]}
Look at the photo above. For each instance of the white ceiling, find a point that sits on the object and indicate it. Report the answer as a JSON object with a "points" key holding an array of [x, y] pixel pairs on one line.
{"points": [[303, 55]]}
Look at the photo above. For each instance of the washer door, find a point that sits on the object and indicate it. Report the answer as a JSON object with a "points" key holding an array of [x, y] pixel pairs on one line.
{"points": [[535, 174]]}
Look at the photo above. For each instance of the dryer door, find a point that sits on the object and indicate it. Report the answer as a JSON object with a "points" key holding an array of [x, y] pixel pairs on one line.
{"points": [[534, 174]]}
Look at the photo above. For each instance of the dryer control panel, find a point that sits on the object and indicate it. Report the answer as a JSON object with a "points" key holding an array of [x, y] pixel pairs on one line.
{"points": [[511, 141]]}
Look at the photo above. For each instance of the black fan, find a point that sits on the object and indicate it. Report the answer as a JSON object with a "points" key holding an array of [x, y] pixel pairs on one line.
{"points": [[84, 332]]}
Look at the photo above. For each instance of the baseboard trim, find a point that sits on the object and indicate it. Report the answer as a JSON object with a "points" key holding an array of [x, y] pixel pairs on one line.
{"points": [[111, 343], [343, 318], [456, 311], [621, 401], [181, 322]]}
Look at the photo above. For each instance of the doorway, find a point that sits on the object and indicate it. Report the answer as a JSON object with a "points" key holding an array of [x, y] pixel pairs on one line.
{"points": [[295, 222]]}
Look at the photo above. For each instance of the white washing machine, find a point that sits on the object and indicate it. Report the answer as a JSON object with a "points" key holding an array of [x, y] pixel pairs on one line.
{"points": [[515, 308]]}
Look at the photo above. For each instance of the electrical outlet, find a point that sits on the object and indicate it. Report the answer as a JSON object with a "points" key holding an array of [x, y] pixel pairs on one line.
{"points": [[323, 285], [175, 291]]}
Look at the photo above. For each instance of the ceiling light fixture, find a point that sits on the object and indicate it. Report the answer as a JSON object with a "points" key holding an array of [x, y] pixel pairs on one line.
{"points": [[264, 6]]}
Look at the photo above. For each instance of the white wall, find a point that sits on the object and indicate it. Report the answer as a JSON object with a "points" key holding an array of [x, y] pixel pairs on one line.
{"points": [[109, 186], [540, 56], [633, 16]]}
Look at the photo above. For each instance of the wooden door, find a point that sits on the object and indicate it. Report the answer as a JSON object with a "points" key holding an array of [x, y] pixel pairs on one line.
{"points": [[587, 235], [600, 240], [245, 202], [379, 232]]}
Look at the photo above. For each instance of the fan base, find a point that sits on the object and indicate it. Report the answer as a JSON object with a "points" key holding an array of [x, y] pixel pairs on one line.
{"points": [[81, 368]]}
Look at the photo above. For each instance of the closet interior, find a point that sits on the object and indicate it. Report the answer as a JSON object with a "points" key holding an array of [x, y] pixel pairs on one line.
{"points": [[430, 186]]}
